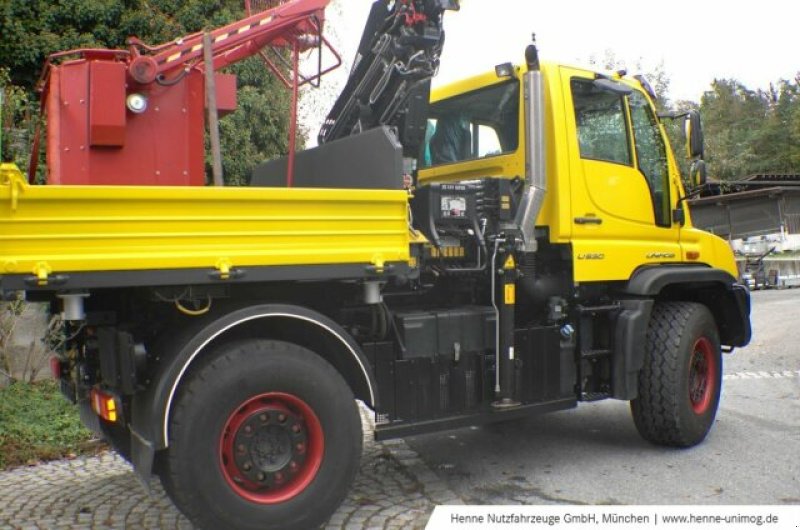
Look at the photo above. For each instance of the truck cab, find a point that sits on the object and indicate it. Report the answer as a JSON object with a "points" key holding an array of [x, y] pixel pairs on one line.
{"points": [[614, 191]]}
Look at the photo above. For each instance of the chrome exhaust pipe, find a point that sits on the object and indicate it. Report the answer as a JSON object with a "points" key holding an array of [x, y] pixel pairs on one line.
{"points": [[535, 163]]}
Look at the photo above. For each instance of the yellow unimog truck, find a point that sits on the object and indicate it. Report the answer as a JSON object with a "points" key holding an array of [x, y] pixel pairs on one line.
{"points": [[540, 255]]}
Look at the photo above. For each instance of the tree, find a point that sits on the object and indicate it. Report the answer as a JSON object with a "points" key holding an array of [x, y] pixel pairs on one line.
{"points": [[776, 141], [33, 29], [656, 76], [732, 115], [15, 118]]}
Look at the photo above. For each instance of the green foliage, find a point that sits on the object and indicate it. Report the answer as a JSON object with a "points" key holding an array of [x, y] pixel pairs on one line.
{"points": [[752, 131], [732, 113], [37, 423], [259, 129], [33, 29], [17, 116]]}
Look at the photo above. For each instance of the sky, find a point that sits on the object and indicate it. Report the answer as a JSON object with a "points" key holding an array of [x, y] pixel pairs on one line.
{"points": [[696, 41]]}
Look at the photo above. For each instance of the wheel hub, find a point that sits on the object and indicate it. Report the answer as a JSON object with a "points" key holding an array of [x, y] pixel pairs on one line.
{"points": [[271, 448], [267, 444]]}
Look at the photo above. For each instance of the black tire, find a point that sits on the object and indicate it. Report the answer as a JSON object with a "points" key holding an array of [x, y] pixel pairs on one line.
{"points": [[680, 382], [229, 436]]}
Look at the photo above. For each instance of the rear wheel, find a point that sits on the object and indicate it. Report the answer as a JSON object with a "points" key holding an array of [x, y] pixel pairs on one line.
{"points": [[263, 434], [679, 385]]}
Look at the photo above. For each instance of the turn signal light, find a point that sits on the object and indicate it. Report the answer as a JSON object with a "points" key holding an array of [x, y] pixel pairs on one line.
{"points": [[105, 405]]}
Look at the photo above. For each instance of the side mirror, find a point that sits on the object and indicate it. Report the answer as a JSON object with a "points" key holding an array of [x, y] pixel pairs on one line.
{"points": [[694, 135], [698, 174]]}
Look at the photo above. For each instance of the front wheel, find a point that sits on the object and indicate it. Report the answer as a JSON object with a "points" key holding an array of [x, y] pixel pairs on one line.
{"points": [[680, 382], [264, 434]]}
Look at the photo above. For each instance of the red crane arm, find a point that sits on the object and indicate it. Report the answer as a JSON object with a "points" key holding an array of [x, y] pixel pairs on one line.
{"points": [[296, 23]]}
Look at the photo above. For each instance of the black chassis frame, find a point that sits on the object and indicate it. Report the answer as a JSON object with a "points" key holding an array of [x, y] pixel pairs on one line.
{"points": [[728, 300]]}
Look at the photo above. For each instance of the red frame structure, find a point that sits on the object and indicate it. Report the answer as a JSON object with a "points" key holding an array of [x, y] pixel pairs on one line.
{"points": [[93, 135]]}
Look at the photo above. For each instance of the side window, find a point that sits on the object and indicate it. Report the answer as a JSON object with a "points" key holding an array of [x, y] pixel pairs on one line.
{"points": [[651, 154], [488, 141], [602, 128], [474, 125]]}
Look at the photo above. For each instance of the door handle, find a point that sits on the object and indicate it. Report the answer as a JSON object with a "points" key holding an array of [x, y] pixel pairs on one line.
{"points": [[588, 221]]}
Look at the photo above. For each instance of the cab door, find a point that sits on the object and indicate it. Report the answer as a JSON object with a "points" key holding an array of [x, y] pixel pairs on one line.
{"points": [[619, 170]]}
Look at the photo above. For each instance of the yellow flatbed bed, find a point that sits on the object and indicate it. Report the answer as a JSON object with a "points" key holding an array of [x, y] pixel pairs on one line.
{"points": [[81, 236]]}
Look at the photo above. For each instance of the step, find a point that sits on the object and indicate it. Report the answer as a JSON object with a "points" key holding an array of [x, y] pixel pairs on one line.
{"points": [[595, 354], [584, 310], [594, 396]]}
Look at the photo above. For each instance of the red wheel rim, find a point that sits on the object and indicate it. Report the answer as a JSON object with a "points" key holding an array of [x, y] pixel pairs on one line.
{"points": [[702, 375], [271, 448]]}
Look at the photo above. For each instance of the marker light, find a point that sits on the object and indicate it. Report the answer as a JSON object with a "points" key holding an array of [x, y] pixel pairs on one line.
{"points": [[104, 405], [504, 70]]}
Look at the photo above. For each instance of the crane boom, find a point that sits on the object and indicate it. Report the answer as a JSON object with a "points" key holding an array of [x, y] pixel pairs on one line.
{"points": [[298, 22], [389, 83]]}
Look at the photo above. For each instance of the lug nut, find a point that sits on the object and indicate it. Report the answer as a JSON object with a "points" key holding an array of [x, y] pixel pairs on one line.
{"points": [[248, 429], [300, 447], [261, 477], [296, 428], [241, 448], [264, 418], [278, 477], [248, 466], [281, 418], [293, 465]]}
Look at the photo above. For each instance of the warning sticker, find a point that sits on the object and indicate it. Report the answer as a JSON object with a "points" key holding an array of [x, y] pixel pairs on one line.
{"points": [[511, 294]]}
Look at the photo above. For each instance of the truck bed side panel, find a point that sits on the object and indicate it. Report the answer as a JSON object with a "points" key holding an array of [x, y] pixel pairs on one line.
{"points": [[79, 229]]}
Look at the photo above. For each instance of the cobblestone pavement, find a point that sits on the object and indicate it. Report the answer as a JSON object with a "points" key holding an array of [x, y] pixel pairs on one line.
{"points": [[394, 489]]}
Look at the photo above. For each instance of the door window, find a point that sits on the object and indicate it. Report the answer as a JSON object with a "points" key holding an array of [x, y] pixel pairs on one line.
{"points": [[602, 128], [651, 154]]}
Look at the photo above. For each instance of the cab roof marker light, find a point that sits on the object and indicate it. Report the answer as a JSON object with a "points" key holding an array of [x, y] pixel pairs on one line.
{"points": [[505, 70]]}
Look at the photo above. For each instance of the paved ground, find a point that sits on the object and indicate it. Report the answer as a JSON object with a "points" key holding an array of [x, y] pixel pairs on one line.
{"points": [[393, 490], [591, 455]]}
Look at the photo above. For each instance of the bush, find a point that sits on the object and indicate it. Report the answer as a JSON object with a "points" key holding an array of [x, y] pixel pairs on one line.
{"points": [[37, 423]]}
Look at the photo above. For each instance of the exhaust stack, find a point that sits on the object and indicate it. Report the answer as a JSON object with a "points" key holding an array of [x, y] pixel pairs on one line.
{"points": [[535, 165]]}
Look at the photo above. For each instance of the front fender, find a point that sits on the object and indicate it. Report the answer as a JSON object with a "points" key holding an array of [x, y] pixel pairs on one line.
{"points": [[728, 300]]}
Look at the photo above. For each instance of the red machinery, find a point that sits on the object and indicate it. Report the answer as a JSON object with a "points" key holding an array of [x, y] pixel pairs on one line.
{"points": [[136, 116]]}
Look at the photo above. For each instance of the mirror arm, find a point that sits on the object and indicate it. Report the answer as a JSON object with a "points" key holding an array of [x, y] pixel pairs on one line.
{"points": [[672, 115]]}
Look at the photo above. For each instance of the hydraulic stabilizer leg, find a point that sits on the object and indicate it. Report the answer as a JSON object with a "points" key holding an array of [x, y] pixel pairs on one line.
{"points": [[506, 298]]}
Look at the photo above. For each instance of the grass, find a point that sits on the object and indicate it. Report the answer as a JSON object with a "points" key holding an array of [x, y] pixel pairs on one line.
{"points": [[37, 423]]}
